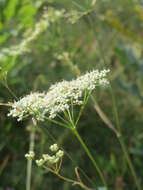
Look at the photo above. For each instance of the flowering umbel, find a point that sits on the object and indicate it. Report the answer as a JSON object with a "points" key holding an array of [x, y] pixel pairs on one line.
{"points": [[59, 97], [51, 160]]}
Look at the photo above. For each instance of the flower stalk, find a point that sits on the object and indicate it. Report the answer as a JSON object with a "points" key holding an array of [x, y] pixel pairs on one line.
{"points": [[122, 144], [29, 161], [74, 130]]}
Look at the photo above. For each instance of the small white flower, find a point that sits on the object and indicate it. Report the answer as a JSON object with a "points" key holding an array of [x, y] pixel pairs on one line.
{"points": [[46, 157], [54, 147], [53, 160], [50, 159], [40, 162], [30, 155], [60, 154]]}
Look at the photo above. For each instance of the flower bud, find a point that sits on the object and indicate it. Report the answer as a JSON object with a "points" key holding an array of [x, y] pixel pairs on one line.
{"points": [[54, 147]]}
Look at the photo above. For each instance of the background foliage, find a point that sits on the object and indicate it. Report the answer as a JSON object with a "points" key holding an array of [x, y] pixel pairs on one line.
{"points": [[107, 34]]}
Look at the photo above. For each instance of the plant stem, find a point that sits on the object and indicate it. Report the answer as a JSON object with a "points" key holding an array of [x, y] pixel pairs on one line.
{"points": [[89, 155], [5, 104], [129, 163], [9, 90], [29, 162], [121, 141], [104, 118], [56, 122], [80, 183]]}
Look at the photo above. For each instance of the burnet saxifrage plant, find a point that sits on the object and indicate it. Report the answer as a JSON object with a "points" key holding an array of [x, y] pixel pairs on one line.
{"points": [[57, 105]]}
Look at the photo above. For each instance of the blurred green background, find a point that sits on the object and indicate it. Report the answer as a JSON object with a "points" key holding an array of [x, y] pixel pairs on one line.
{"points": [[37, 51]]}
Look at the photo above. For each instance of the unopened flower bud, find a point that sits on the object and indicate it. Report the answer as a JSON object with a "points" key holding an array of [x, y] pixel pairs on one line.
{"points": [[54, 147], [40, 162], [60, 154], [30, 155]]}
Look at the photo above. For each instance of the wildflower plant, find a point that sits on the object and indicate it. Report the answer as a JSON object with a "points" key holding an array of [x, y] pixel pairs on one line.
{"points": [[57, 106], [59, 103]]}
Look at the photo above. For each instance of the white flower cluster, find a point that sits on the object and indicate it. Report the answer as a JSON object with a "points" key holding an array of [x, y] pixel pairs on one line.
{"points": [[30, 155], [30, 105], [50, 160], [59, 97], [49, 16]]}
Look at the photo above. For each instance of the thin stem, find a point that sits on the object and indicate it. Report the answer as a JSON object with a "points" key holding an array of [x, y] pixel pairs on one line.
{"points": [[121, 141], [129, 163], [59, 168], [72, 110], [62, 119], [4, 83], [80, 183], [72, 181], [5, 104], [115, 110], [82, 108], [56, 122], [64, 178], [104, 117], [89, 155], [66, 115], [79, 179], [70, 117], [29, 162], [84, 174]]}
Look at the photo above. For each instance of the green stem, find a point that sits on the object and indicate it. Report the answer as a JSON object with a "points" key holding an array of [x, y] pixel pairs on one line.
{"points": [[89, 155], [85, 99], [9, 90], [129, 163], [121, 141], [80, 183], [29, 162], [56, 122]]}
